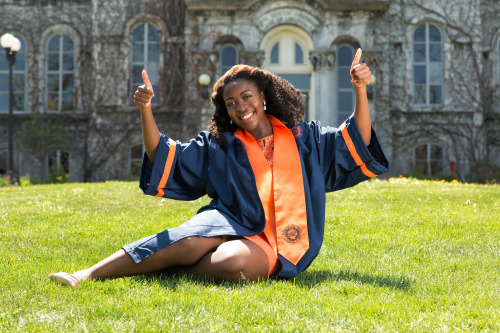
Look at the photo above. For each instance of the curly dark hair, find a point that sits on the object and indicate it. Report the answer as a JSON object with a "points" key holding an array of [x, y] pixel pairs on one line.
{"points": [[283, 100]]}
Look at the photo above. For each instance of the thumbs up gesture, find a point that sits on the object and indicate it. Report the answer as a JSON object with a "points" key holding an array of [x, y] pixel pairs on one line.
{"points": [[144, 93], [360, 73]]}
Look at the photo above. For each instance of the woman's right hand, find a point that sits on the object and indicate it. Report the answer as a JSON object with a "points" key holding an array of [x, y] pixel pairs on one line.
{"points": [[144, 93]]}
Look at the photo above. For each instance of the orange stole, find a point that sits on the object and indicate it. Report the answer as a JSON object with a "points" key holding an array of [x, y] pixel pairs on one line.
{"points": [[281, 191]]}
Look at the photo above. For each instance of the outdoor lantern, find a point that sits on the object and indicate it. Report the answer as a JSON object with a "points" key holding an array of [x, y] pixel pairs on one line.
{"points": [[204, 80]]}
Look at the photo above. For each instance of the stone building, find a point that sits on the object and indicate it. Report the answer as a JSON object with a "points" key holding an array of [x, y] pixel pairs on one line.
{"points": [[434, 101]]}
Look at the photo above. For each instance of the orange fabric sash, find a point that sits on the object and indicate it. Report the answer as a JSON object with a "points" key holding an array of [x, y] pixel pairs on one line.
{"points": [[281, 191]]}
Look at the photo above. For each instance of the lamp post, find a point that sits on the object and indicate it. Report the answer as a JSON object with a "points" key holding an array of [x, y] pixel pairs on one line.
{"points": [[11, 45]]}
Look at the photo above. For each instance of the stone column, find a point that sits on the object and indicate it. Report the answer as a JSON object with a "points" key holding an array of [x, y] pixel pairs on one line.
{"points": [[323, 62]]}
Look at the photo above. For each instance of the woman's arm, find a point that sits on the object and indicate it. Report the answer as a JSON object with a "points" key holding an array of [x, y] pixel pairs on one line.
{"points": [[361, 76], [150, 132]]}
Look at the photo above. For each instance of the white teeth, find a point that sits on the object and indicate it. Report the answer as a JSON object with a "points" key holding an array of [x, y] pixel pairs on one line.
{"points": [[245, 117]]}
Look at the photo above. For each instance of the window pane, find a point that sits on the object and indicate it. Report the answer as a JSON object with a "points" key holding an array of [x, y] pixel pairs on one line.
{"points": [[53, 82], [436, 95], [419, 94], [18, 101], [419, 74], [68, 61], [344, 77], [153, 34], [419, 35], [138, 33], [54, 43], [419, 52], [228, 56], [299, 81], [64, 160], [299, 55], [20, 62], [53, 101], [4, 102], [137, 75], [137, 52], [68, 45], [345, 102], [345, 56], [153, 52], [68, 84], [18, 82], [435, 52], [3, 62], [436, 152], [434, 34], [275, 59], [53, 61], [68, 101], [4, 82], [435, 74], [421, 153]]}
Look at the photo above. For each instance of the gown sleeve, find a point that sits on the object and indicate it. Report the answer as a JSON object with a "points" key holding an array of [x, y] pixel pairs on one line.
{"points": [[344, 158], [180, 170]]}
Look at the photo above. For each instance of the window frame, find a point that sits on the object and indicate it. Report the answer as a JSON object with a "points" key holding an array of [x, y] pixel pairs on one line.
{"points": [[429, 160], [427, 64], [146, 64], [341, 117], [222, 67], [60, 72]]}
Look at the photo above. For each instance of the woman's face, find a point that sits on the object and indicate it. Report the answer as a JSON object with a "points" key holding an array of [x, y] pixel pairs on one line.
{"points": [[245, 107]]}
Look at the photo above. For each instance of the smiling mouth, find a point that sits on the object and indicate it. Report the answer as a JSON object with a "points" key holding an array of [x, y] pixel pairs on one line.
{"points": [[247, 116]]}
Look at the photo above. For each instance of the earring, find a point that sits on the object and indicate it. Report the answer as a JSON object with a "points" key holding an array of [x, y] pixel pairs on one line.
{"points": [[231, 122], [265, 108]]}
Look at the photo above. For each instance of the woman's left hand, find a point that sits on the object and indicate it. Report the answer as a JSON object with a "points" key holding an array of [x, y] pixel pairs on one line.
{"points": [[360, 73]]}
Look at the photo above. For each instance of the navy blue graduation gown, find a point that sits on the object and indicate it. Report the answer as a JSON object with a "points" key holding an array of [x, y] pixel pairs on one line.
{"points": [[331, 158]]}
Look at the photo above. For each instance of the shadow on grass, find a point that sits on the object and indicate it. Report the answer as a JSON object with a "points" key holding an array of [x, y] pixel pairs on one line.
{"points": [[312, 278], [307, 279]]}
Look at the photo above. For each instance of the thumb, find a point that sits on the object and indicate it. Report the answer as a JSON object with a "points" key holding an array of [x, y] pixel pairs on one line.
{"points": [[357, 56], [145, 78]]}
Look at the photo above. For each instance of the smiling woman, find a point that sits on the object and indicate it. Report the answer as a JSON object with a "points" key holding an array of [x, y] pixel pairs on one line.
{"points": [[266, 171]]}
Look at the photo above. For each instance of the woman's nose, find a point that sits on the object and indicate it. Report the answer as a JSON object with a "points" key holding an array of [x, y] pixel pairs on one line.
{"points": [[241, 105]]}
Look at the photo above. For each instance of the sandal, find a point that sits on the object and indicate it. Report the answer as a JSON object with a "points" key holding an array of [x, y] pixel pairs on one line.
{"points": [[66, 279]]}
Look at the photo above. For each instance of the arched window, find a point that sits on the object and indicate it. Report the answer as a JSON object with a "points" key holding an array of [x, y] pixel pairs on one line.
{"points": [[285, 48], [145, 55], [60, 73], [228, 57], [345, 90], [135, 155], [427, 65], [18, 80], [429, 159]]}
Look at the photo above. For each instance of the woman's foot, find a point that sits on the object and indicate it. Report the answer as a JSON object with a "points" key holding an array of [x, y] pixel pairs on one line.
{"points": [[66, 279]]}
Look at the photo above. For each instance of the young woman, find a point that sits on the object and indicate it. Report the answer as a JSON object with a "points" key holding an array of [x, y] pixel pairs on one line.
{"points": [[266, 171]]}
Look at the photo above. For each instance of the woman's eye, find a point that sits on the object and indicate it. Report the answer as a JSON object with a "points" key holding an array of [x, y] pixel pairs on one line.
{"points": [[247, 96]]}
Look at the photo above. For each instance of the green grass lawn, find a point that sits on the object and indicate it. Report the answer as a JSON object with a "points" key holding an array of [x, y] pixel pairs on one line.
{"points": [[405, 256]]}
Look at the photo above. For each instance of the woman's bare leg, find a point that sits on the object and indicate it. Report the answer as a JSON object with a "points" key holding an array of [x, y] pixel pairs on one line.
{"points": [[236, 260], [185, 252]]}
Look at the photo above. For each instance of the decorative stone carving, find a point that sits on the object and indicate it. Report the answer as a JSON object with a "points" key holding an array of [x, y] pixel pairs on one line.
{"points": [[322, 60], [252, 58]]}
